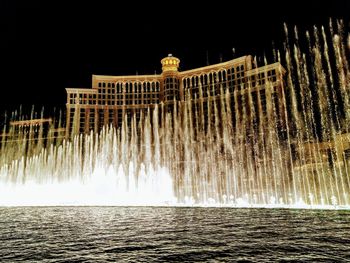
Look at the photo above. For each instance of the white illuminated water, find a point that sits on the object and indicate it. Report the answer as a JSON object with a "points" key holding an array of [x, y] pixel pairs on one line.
{"points": [[104, 187], [213, 161]]}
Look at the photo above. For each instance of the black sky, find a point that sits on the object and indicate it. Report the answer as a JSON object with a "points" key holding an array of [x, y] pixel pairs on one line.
{"points": [[47, 46]]}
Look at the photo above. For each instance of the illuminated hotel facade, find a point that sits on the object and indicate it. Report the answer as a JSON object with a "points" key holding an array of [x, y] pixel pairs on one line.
{"points": [[113, 97]]}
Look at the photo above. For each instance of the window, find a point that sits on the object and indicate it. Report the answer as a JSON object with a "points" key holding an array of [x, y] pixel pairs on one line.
{"points": [[224, 75]]}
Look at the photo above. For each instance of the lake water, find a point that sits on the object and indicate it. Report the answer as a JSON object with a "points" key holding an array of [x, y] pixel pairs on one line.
{"points": [[173, 234]]}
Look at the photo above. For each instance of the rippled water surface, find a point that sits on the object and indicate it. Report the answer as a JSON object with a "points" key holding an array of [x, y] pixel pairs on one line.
{"points": [[146, 234]]}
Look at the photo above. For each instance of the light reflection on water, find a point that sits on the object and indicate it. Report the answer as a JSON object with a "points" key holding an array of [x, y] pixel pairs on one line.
{"points": [[148, 234]]}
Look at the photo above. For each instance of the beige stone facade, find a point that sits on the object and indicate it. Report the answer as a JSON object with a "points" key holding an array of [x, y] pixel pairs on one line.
{"points": [[113, 96]]}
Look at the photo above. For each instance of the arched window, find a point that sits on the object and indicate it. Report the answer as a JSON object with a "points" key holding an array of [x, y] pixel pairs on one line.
{"points": [[215, 78], [99, 85]]}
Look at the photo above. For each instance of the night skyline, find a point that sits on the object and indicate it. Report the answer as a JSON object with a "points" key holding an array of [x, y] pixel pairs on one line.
{"points": [[47, 47]]}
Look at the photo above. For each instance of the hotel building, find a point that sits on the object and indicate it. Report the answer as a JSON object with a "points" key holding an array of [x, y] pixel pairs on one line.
{"points": [[113, 96]]}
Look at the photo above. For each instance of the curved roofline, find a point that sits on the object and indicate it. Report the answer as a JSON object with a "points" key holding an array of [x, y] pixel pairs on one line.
{"points": [[126, 77], [222, 64]]}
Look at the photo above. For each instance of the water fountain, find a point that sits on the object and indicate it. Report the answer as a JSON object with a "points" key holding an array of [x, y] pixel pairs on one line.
{"points": [[222, 158]]}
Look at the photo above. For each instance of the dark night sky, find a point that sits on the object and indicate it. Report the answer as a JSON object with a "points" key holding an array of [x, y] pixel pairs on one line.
{"points": [[47, 46]]}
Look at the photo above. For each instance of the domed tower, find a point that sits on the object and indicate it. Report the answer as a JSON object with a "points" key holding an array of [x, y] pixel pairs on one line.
{"points": [[171, 83]]}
